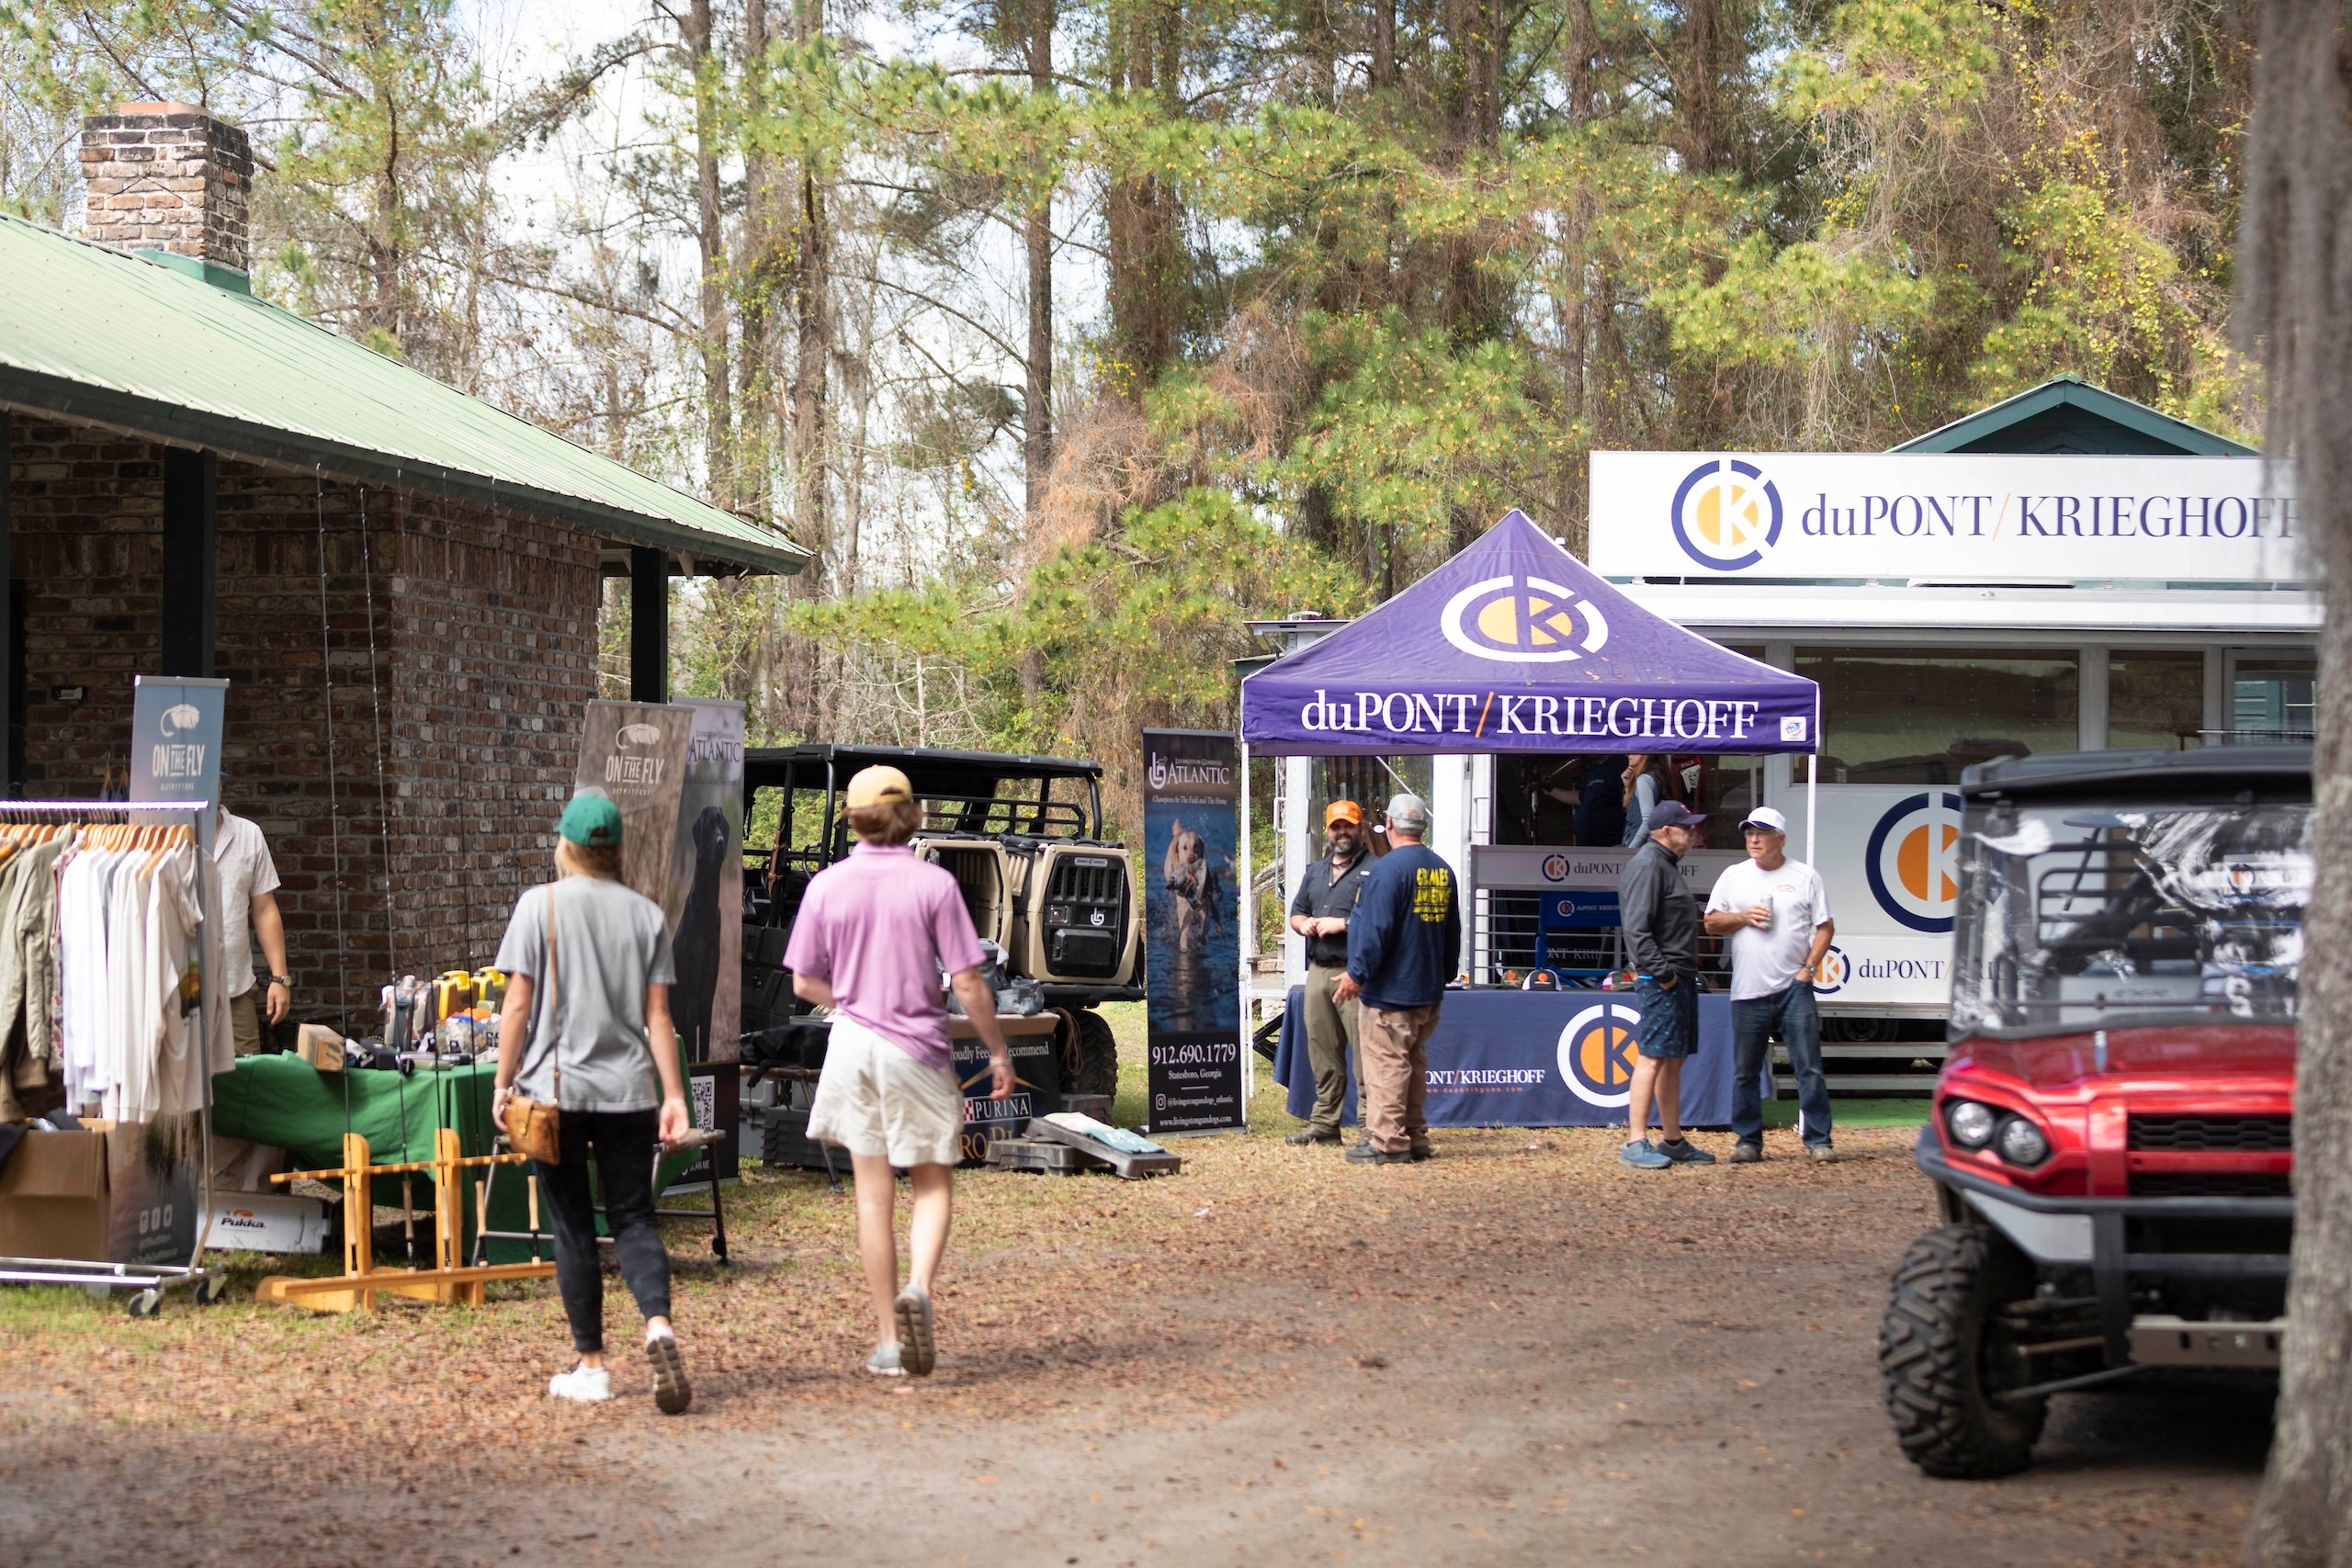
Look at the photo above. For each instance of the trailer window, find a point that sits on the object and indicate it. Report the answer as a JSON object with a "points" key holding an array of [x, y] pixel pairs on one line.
{"points": [[1890, 716], [2155, 700], [2274, 701]]}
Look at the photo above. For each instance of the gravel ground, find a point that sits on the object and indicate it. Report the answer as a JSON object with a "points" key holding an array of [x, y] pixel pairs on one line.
{"points": [[1519, 1352]]}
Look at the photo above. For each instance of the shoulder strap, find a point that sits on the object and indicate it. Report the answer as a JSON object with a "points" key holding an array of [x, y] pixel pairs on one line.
{"points": [[548, 1010]]}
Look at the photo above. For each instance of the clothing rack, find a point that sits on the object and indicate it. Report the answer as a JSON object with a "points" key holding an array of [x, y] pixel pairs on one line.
{"points": [[146, 1281]]}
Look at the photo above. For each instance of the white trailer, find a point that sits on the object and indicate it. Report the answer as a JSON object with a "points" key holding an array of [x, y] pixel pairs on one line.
{"points": [[2066, 571]]}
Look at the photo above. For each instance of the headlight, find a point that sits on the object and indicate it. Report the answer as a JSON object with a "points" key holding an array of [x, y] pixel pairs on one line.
{"points": [[2022, 1143], [1969, 1124]]}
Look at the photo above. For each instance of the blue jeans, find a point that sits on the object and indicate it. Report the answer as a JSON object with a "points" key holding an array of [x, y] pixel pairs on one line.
{"points": [[1793, 1016]]}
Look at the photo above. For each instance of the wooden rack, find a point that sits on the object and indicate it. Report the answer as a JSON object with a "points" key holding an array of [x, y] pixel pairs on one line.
{"points": [[448, 1281]]}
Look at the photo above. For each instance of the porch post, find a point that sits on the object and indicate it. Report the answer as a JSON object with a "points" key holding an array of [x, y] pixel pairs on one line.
{"points": [[190, 561], [648, 625]]}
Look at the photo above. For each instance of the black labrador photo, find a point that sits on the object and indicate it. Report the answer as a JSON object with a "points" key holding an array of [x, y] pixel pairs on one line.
{"points": [[696, 947]]}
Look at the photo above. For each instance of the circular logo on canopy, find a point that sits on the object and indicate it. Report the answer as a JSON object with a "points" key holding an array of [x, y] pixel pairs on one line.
{"points": [[1522, 621], [1913, 860], [1597, 1051], [1830, 979], [1726, 514]]}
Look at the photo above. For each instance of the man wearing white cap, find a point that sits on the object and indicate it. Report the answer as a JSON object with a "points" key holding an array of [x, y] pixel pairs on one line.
{"points": [[1776, 913]]}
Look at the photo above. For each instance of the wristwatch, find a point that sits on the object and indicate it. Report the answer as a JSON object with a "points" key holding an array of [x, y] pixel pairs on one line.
{"points": [[284, 980]]}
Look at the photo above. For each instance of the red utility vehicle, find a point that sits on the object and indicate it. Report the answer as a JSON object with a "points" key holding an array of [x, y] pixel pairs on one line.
{"points": [[2112, 1138]]}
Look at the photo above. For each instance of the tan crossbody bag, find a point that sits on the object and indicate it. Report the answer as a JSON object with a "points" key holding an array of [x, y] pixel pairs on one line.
{"points": [[535, 1127]]}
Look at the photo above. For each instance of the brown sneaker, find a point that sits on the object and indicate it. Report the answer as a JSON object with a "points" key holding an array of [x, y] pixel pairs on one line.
{"points": [[1314, 1135], [1821, 1154]]}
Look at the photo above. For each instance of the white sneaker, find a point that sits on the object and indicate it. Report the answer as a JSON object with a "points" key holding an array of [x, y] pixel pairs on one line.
{"points": [[884, 1362], [583, 1386]]}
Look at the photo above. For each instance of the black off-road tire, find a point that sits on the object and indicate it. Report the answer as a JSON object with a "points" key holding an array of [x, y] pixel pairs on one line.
{"points": [[1098, 1054], [1930, 1348]]}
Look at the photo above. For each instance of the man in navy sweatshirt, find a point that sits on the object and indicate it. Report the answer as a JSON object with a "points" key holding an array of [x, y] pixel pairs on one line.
{"points": [[1403, 943]]}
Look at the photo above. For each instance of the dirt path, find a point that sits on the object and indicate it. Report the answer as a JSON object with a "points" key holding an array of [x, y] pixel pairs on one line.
{"points": [[1518, 1353]]}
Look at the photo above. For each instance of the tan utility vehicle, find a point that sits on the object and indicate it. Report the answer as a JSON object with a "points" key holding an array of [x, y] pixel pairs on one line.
{"points": [[1023, 838]]}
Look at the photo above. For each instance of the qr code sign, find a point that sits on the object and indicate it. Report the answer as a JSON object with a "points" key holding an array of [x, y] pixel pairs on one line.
{"points": [[703, 1094]]}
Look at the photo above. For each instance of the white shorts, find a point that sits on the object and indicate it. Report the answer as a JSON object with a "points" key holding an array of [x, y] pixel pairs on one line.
{"points": [[874, 1098]]}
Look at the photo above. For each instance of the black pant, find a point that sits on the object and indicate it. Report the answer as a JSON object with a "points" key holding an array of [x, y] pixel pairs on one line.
{"points": [[624, 1142]]}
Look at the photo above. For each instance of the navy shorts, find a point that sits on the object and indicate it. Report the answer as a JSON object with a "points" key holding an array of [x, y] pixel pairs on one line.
{"points": [[1669, 1018]]}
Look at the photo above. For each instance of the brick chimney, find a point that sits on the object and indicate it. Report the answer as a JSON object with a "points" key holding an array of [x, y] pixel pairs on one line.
{"points": [[167, 177]]}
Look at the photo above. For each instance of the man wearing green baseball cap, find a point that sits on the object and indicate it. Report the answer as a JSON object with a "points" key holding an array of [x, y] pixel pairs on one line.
{"points": [[586, 1027]]}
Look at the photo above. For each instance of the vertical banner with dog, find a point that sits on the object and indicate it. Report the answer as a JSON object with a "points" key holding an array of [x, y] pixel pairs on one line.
{"points": [[1192, 796], [707, 927]]}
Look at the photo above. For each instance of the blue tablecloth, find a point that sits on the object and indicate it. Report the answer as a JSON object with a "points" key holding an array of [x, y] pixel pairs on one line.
{"points": [[1534, 1059]]}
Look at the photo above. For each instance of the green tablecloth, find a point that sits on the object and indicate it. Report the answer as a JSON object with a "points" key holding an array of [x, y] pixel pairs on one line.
{"points": [[285, 1101]]}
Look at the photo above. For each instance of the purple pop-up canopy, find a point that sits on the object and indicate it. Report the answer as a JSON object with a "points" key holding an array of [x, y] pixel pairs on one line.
{"points": [[1515, 645]]}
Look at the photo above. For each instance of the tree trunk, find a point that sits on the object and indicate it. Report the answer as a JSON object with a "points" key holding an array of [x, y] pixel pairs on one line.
{"points": [[755, 422], [812, 326], [1577, 283], [1037, 232], [2295, 319], [384, 240], [711, 239], [1384, 45]]}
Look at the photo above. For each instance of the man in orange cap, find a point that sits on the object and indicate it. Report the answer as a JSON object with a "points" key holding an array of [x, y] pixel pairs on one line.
{"points": [[1326, 898]]}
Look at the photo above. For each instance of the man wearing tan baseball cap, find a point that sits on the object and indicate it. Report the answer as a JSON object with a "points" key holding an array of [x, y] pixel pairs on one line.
{"points": [[1327, 897], [873, 935]]}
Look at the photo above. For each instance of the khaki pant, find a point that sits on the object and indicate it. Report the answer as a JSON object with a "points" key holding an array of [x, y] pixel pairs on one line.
{"points": [[1396, 1076], [244, 1022], [1330, 1047]]}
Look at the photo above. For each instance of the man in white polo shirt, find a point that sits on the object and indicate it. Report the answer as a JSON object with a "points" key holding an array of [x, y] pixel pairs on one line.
{"points": [[1776, 913]]}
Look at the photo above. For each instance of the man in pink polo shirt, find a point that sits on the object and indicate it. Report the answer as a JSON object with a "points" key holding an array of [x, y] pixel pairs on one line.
{"points": [[873, 935]]}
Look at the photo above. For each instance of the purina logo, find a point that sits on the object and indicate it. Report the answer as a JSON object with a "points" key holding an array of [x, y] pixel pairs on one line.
{"points": [[1597, 1053], [1522, 620], [1726, 514], [1913, 858]]}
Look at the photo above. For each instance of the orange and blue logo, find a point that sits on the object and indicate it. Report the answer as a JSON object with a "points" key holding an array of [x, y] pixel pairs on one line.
{"points": [[1831, 977], [1523, 620], [1726, 514], [1913, 861], [1597, 1052]]}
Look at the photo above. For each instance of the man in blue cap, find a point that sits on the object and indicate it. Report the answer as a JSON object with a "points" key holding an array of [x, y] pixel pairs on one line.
{"points": [[1660, 918]]}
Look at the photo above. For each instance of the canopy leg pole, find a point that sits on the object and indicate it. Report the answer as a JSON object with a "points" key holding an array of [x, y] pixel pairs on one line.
{"points": [[1812, 795], [1248, 916]]}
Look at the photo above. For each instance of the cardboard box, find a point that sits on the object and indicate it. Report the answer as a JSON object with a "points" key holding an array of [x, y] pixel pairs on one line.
{"points": [[241, 1167], [266, 1222], [320, 1047], [54, 1197]]}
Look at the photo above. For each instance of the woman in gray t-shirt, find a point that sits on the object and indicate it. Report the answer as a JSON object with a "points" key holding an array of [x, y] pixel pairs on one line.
{"points": [[586, 1027]]}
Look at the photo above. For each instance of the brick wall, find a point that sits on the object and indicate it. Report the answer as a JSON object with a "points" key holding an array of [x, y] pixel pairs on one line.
{"points": [[483, 650]]}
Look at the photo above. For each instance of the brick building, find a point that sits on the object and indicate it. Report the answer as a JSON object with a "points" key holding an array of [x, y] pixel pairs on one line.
{"points": [[399, 583]]}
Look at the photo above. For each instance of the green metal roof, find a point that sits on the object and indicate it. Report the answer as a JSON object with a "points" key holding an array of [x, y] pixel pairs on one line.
{"points": [[96, 335], [2068, 414]]}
